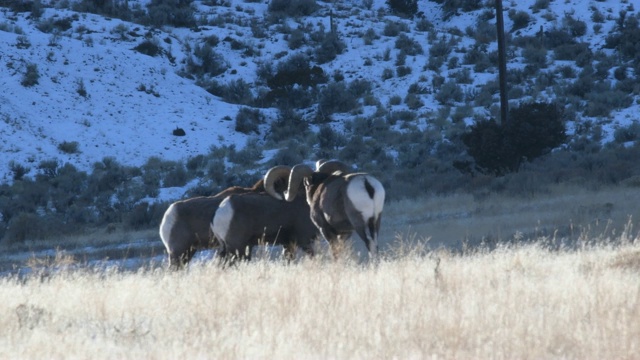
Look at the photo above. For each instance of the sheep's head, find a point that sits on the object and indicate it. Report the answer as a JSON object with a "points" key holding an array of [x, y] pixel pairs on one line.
{"points": [[276, 181], [302, 172], [294, 177]]}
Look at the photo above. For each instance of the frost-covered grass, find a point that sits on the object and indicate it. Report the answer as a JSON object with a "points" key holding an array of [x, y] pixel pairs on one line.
{"points": [[511, 299], [514, 302]]}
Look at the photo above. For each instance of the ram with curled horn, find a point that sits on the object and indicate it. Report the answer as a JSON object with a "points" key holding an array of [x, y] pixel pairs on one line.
{"points": [[185, 226], [340, 202], [245, 220]]}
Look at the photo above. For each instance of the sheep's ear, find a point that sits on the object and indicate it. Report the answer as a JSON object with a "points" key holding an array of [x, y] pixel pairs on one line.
{"points": [[307, 181]]}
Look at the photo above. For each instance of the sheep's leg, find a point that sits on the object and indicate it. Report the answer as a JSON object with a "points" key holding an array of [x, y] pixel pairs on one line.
{"points": [[179, 259], [291, 249], [335, 242], [290, 252]]}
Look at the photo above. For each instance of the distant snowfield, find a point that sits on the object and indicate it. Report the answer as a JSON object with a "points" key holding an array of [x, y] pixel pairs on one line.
{"points": [[118, 120]]}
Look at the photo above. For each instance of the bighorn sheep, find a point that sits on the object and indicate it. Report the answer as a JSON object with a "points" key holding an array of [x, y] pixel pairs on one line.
{"points": [[185, 225], [340, 202], [244, 220]]}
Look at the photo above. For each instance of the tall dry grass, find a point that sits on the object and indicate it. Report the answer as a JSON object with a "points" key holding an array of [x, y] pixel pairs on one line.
{"points": [[514, 302]]}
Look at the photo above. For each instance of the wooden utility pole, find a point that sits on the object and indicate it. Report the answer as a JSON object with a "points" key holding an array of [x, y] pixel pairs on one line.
{"points": [[502, 64]]}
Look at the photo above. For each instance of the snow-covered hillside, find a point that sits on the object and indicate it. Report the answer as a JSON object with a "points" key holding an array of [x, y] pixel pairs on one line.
{"points": [[133, 102]]}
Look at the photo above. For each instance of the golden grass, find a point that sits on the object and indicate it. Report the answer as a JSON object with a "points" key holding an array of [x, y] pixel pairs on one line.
{"points": [[515, 302]]}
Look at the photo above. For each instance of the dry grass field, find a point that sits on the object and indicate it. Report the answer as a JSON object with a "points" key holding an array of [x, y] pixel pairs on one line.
{"points": [[513, 299]]}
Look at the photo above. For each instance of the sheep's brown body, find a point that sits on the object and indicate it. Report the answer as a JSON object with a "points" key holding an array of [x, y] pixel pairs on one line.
{"points": [[185, 225], [245, 220], [340, 202]]}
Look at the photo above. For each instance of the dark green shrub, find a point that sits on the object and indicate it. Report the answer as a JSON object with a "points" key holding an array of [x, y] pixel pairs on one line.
{"points": [[81, 89], [540, 5], [330, 47], [211, 40], [452, 6], [576, 28], [296, 39], [520, 19], [47, 169], [69, 147], [18, 170], [407, 8], [408, 45], [237, 92], [329, 141], [535, 56], [149, 47], [627, 133], [555, 37], [600, 102], [31, 75], [206, 61], [291, 153], [394, 28], [626, 38], [22, 42], [581, 87], [139, 217], [403, 71], [295, 70], [395, 100], [26, 226], [336, 97], [288, 125], [113, 8], [485, 32], [178, 13], [566, 71], [248, 120], [417, 88], [423, 24], [107, 175], [370, 36], [628, 86], [360, 87], [67, 190], [463, 76], [620, 73], [442, 48], [573, 51], [401, 115], [175, 176], [413, 101], [449, 93], [387, 74], [475, 54], [293, 8], [597, 17], [248, 155], [196, 164], [401, 59], [531, 131]]}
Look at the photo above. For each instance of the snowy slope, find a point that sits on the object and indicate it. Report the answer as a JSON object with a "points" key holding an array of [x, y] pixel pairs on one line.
{"points": [[117, 119]]}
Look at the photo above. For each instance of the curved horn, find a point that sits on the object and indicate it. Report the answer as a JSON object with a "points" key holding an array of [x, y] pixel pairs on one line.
{"points": [[331, 166], [275, 173], [298, 172], [319, 163]]}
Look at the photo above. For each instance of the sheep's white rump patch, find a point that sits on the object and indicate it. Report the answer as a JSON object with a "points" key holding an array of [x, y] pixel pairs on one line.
{"points": [[168, 221], [221, 221], [359, 195]]}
